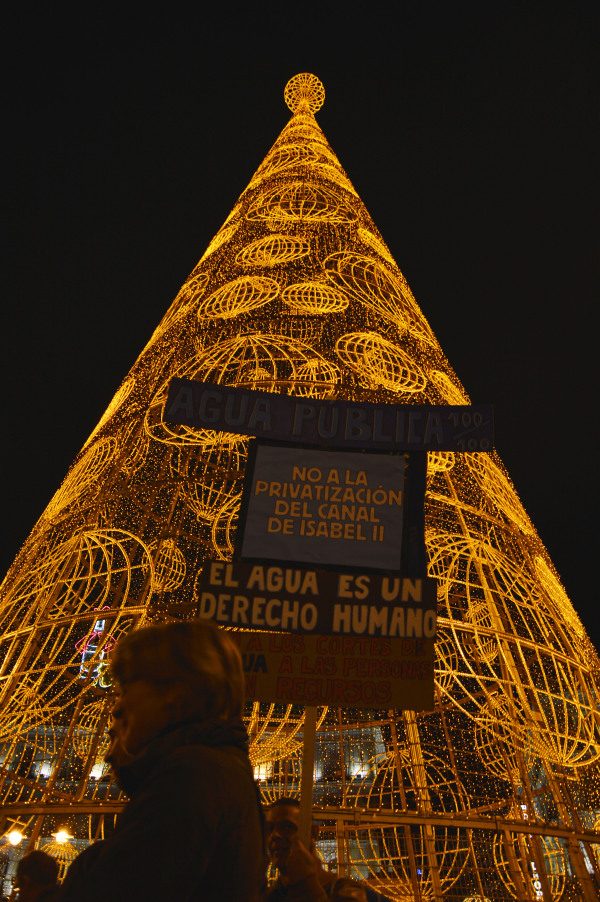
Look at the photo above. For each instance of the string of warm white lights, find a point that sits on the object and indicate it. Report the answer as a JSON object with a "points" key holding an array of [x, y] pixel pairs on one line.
{"points": [[494, 795]]}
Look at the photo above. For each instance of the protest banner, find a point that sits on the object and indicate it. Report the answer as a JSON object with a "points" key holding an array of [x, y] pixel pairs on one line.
{"points": [[324, 507], [312, 601], [334, 423], [361, 633], [349, 671]]}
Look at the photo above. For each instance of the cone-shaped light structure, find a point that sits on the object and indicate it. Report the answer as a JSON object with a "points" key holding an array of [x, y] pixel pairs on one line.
{"points": [[495, 794]]}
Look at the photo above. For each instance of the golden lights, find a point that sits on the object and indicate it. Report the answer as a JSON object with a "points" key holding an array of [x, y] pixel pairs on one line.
{"points": [[299, 293]]}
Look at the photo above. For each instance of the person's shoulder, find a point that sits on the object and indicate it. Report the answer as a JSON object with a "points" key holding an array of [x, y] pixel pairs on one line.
{"points": [[374, 896], [191, 759], [275, 893], [52, 894], [208, 764], [230, 765], [78, 870], [204, 782], [305, 890]]}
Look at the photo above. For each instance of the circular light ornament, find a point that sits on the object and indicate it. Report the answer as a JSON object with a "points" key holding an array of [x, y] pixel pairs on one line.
{"points": [[220, 239], [317, 379], [258, 361], [558, 595], [499, 736], [446, 659], [98, 568], [62, 850], [304, 92], [188, 296], [272, 250], [119, 399], [499, 612], [22, 713], [285, 157], [84, 480], [169, 565], [335, 176], [556, 863], [380, 361], [301, 203], [498, 489], [477, 581], [374, 243], [448, 390], [254, 360], [376, 287], [209, 478], [275, 730], [440, 461], [240, 296], [379, 789], [314, 298], [93, 720]]}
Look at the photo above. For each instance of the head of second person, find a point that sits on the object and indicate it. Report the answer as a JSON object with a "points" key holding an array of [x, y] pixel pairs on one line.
{"points": [[37, 872], [282, 822], [168, 674], [346, 889]]}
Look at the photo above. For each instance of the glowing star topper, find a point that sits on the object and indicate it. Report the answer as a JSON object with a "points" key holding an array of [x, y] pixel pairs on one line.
{"points": [[304, 92]]}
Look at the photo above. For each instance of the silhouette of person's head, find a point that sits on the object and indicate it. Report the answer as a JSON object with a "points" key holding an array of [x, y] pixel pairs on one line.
{"points": [[282, 821], [37, 872], [171, 673], [348, 890]]}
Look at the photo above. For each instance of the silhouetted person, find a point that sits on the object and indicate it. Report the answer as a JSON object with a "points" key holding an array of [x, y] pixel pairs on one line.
{"points": [[37, 877], [345, 889], [193, 827], [302, 877]]}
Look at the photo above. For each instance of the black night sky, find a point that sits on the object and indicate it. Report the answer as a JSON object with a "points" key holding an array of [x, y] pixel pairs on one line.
{"points": [[469, 130]]}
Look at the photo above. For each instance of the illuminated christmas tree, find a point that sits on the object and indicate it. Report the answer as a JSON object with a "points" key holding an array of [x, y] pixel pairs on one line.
{"points": [[493, 795]]}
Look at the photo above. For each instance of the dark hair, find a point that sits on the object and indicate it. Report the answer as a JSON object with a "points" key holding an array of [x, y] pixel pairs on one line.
{"points": [[39, 867], [344, 883], [195, 653], [284, 800]]}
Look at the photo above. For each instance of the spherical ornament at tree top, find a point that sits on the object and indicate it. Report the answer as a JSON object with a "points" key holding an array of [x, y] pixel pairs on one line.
{"points": [[304, 92]]}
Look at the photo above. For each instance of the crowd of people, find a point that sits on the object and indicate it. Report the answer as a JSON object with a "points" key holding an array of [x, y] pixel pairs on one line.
{"points": [[193, 828]]}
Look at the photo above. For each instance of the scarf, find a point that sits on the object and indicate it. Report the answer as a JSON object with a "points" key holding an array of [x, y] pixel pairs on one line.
{"points": [[212, 734]]}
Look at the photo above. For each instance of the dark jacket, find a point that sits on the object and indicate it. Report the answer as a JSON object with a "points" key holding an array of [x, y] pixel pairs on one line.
{"points": [[316, 888], [52, 894], [192, 830]]}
